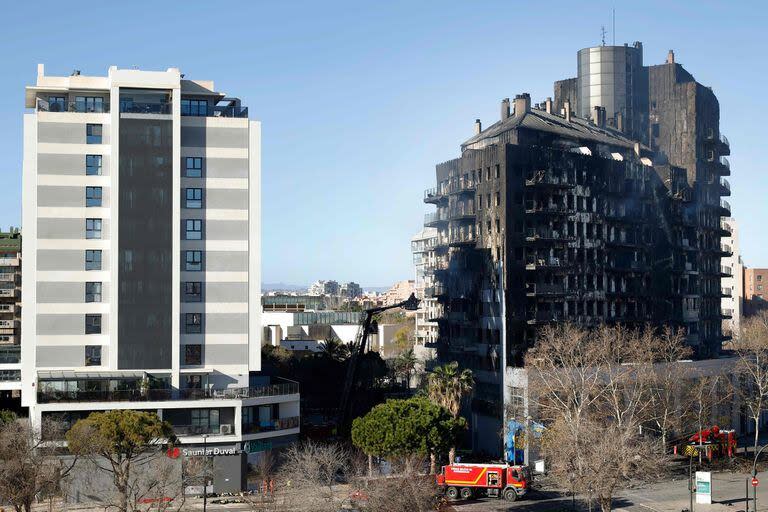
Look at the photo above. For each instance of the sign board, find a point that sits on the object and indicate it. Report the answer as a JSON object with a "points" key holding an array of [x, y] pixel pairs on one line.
{"points": [[704, 487], [755, 481]]}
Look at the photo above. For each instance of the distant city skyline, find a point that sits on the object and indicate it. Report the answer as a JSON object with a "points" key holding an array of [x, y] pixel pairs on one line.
{"points": [[357, 102]]}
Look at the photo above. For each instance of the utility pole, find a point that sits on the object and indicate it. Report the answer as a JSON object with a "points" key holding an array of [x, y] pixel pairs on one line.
{"points": [[205, 472]]}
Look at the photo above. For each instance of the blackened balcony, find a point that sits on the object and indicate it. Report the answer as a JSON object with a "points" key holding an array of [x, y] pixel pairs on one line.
{"points": [[722, 166], [547, 235], [533, 208], [461, 185], [725, 187], [434, 195], [544, 179], [436, 218], [544, 290], [461, 211], [725, 230], [547, 264], [463, 236], [543, 317], [628, 266]]}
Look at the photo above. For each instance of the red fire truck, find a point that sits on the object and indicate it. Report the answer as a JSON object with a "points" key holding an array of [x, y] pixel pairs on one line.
{"points": [[494, 480]]}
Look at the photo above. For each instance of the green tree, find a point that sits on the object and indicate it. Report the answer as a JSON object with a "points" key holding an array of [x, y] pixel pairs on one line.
{"points": [[401, 428], [7, 417], [448, 386], [124, 439]]}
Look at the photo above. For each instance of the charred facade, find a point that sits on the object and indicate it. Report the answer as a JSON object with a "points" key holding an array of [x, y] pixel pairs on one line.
{"points": [[550, 217]]}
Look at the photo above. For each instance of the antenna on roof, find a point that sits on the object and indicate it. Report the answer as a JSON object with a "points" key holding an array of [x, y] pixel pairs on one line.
{"points": [[614, 26], [602, 33]]}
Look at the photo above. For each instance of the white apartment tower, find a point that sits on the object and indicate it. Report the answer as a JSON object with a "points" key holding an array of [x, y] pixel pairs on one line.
{"points": [[141, 290], [732, 302]]}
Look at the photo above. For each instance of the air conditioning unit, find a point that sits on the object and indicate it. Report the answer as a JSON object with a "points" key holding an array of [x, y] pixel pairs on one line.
{"points": [[225, 429]]}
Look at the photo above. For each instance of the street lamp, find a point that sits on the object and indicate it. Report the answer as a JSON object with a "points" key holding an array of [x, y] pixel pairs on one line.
{"points": [[205, 472], [754, 474]]}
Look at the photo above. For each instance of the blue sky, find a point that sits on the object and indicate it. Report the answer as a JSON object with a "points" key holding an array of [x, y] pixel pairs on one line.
{"points": [[359, 100]]}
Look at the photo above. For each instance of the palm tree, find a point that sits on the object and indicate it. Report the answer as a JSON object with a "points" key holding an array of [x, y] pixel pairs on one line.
{"points": [[335, 349], [448, 386], [406, 363]]}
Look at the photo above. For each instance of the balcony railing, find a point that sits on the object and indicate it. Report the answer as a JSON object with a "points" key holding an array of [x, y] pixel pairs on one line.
{"points": [[726, 313], [272, 425], [459, 185], [9, 262], [461, 211], [215, 111], [544, 289], [547, 234], [8, 293], [543, 178], [726, 186], [48, 395], [434, 218], [726, 206], [726, 292], [197, 430], [544, 316], [726, 271], [462, 236], [134, 107], [724, 140], [72, 106]]}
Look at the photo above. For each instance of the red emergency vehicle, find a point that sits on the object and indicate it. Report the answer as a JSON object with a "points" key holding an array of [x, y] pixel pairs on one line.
{"points": [[494, 480]]}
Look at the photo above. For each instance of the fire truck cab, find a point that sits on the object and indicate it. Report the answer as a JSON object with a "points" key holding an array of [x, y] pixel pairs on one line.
{"points": [[466, 481]]}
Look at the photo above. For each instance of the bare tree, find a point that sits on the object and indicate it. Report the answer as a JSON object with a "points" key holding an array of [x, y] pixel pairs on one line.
{"points": [[592, 389], [669, 384], [408, 488], [27, 469], [752, 368], [708, 394], [310, 476]]}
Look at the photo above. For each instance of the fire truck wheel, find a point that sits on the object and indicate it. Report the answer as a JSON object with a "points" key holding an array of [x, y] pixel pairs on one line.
{"points": [[466, 493], [510, 495], [452, 493]]}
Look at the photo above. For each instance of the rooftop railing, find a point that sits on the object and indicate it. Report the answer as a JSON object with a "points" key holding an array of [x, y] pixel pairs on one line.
{"points": [[72, 106]]}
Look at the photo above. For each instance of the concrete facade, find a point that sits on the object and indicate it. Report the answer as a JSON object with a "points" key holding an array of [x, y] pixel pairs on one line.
{"points": [[10, 313], [141, 207]]}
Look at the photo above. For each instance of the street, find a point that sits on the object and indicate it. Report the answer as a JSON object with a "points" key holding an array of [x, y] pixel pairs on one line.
{"points": [[728, 491]]}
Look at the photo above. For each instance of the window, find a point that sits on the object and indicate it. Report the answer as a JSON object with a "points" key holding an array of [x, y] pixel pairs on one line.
{"points": [[193, 323], [193, 291], [205, 420], [194, 229], [194, 107], [92, 260], [759, 278], [193, 354], [93, 134], [92, 324], [92, 228], [89, 104], [92, 196], [93, 355], [193, 167], [93, 291], [194, 198], [497, 200], [93, 165], [193, 260], [57, 103]]}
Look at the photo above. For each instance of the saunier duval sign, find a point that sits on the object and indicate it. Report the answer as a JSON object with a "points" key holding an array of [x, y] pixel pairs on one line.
{"points": [[197, 452]]}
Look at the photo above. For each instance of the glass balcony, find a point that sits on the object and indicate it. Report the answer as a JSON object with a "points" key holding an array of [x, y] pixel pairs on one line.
{"points": [[271, 425], [130, 390], [134, 107], [82, 106]]}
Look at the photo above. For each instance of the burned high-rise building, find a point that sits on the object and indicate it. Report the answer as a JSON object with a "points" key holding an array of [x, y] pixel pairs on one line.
{"points": [[600, 206]]}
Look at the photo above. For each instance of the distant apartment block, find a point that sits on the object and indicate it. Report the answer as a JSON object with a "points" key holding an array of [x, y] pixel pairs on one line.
{"points": [[732, 302], [10, 312], [399, 292], [425, 262], [141, 209], [755, 290]]}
